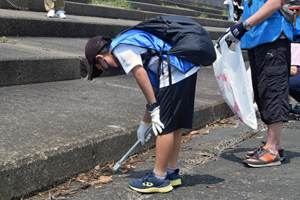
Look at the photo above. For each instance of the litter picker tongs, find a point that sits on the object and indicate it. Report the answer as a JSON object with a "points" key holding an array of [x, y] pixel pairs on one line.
{"points": [[119, 163]]}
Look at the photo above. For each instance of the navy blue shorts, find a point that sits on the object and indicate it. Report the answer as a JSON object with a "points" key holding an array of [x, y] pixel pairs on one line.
{"points": [[270, 69], [180, 114]]}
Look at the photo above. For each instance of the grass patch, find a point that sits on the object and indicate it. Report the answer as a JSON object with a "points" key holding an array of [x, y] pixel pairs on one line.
{"points": [[174, 6], [208, 7], [225, 12], [203, 16], [114, 3], [5, 40]]}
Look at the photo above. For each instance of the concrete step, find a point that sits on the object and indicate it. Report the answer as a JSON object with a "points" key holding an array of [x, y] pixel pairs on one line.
{"points": [[182, 4], [156, 2], [174, 10], [200, 8], [81, 9], [44, 59], [52, 131], [35, 24], [48, 59], [216, 4], [39, 60]]}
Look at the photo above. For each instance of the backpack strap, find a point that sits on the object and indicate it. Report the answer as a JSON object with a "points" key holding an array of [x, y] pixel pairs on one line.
{"points": [[170, 81], [147, 57]]}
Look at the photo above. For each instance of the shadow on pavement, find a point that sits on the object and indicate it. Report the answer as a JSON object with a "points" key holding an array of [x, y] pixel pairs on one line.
{"points": [[206, 179]]}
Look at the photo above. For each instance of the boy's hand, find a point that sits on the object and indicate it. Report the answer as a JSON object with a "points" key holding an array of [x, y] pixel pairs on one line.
{"points": [[157, 125], [144, 126]]}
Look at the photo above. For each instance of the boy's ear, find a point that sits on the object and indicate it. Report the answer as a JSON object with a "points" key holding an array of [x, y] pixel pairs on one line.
{"points": [[99, 57]]}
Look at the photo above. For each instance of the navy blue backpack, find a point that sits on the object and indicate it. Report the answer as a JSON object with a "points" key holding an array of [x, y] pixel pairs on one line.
{"points": [[189, 40]]}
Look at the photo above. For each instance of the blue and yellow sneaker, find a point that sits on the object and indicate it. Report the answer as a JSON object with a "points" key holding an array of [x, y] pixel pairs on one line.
{"points": [[150, 184], [174, 178]]}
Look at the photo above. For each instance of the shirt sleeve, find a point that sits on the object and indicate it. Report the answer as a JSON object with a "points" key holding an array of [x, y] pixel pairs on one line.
{"points": [[128, 56]]}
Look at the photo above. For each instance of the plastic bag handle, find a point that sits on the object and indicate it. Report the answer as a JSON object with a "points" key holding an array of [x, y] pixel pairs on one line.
{"points": [[224, 47], [218, 53]]}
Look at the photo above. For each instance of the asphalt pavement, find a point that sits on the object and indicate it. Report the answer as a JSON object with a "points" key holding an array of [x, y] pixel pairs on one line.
{"points": [[211, 167]]}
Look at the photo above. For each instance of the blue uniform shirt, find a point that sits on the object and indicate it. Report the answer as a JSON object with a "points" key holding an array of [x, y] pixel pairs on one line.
{"points": [[267, 31]]}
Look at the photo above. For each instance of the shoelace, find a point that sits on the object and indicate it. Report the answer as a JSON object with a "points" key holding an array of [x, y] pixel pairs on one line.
{"points": [[263, 144], [256, 154], [259, 151], [145, 178]]}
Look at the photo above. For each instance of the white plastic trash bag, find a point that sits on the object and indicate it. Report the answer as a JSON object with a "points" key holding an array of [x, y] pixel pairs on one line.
{"points": [[234, 84]]}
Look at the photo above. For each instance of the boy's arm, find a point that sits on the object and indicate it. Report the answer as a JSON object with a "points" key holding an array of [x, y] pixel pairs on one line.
{"points": [[143, 81]]}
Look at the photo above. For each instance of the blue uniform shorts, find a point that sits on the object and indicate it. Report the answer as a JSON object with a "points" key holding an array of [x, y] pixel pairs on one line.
{"points": [[180, 114]]}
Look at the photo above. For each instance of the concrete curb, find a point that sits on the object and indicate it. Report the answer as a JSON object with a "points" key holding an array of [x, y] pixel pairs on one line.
{"points": [[35, 172], [19, 72]]}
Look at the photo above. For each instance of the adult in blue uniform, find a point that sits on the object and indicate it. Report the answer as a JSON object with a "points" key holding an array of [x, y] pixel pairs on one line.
{"points": [[267, 36]]}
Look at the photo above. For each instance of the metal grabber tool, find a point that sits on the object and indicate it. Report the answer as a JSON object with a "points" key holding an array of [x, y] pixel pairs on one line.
{"points": [[119, 163]]}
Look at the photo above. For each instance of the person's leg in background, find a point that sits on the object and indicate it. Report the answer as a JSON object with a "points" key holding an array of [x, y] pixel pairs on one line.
{"points": [[49, 6], [60, 5], [271, 93], [230, 10], [294, 87]]}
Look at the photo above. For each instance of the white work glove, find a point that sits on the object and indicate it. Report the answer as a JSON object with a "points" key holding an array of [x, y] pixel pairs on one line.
{"points": [[157, 125], [142, 130]]}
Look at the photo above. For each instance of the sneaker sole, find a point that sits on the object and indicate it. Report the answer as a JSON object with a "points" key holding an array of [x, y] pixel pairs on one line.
{"points": [[176, 182], [154, 189], [281, 158], [264, 165]]}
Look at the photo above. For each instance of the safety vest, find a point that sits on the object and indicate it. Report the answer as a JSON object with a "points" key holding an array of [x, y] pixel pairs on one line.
{"points": [[146, 40], [267, 31]]}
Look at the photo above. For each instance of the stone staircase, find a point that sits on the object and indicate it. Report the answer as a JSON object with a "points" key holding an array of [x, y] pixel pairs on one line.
{"points": [[39, 144], [83, 21]]}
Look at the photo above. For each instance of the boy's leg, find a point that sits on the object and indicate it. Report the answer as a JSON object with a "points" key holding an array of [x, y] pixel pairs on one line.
{"points": [[155, 181], [172, 170], [177, 141], [167, 150], [164, 148]]}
